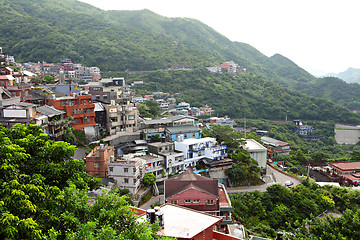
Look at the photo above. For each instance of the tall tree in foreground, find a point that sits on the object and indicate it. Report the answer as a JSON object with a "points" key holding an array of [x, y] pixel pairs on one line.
{"points": [[43, 193]]}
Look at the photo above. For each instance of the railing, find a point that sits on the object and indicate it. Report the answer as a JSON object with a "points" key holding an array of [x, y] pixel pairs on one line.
{"points": [[59, 122], [196, 149], [58, 134]]}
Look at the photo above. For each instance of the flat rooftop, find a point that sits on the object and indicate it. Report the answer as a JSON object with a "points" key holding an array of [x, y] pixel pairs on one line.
{"points": [[191, 141], [181, 222], [251, 144]]}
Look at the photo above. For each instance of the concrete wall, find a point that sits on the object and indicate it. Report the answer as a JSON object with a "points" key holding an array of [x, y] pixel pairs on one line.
{"points": [[346, 134]]}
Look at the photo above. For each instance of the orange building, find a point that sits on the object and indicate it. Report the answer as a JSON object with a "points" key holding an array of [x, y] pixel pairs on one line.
{"points": [[80, 107], [97, 160]]}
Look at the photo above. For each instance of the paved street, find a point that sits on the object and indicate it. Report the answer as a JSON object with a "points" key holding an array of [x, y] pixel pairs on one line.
{"points": [[271, 173]]}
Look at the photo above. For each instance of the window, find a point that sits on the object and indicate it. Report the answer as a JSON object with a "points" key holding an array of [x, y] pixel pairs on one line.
{"points": [[131, 117], [134, 180], [209, 201], [196, 201], [187, 201], [126, 180], [134, 170], [173, 202], [111, 169], [96, 165], [126, 170]]}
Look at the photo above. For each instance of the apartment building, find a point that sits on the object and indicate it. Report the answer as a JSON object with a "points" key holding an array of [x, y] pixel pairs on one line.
{"points": [[80, 107], [196, 149], [127, 171]]}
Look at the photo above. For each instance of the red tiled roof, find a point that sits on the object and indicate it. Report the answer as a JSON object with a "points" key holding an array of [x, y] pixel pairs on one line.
{"points": [[175, 184], [346, 166]]}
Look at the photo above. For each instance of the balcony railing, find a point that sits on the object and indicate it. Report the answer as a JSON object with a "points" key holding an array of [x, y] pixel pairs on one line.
{"points": [[191, 150], [58, 134], [59, 122]]}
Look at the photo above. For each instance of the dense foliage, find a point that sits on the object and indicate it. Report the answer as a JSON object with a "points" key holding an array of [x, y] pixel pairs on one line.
{"points": [[245, 170], [43, 193], [243, 95], [149, 109], [44, 30], [284, 209], [303, 151]]}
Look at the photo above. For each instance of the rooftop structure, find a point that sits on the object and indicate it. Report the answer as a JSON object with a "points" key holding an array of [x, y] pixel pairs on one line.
{"points": [[257, 151], [277, 147], [199, 193]]}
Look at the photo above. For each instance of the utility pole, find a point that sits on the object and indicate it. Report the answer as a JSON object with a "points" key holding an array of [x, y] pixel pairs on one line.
{"points": [[245, 127], [308, 165]]}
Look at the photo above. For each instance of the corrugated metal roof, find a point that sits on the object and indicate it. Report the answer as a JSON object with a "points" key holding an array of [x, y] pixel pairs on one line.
{"points": [[49, 111]]}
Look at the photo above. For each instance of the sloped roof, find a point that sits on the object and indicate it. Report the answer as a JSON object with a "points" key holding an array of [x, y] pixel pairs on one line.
{"points": [[182, 128], [273, 142], [49, 111], [175, 184], [192, 186], [99, 107]]}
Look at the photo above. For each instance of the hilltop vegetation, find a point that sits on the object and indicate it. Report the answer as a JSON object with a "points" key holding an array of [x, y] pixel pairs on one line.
{"points": [[293, 210], [243, 95], [44, 30]]}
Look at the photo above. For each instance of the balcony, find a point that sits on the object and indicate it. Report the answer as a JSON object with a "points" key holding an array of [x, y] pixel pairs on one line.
{"points": [[59, 122], [192, 150], [58, 134]]}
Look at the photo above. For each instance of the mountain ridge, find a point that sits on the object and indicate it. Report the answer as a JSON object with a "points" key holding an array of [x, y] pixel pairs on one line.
{"points": [[44, 30]]}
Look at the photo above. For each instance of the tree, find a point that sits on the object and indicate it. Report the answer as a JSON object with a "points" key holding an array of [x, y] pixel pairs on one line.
{"points": [[69, 136], [49, 79], [43, 193], [149, 109], [223, 134], [149, 179]]}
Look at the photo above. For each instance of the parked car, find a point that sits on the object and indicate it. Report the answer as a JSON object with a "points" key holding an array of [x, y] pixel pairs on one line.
{"points": [[289, 183]]}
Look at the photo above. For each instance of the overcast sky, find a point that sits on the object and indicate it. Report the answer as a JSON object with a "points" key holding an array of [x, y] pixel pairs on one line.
{"points": [[320, 36]]}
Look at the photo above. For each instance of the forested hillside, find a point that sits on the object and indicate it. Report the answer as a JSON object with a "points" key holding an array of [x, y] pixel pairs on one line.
{"points": [[50, 30], [245, 95], [44, 30]]}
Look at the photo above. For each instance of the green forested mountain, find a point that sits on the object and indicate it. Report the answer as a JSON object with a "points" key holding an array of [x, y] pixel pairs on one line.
{"points": [[50, 30], [351, 75], [245, 95]]}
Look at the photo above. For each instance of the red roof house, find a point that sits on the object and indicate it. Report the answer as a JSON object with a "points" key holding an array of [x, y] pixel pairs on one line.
{"points": [[199, 193]]}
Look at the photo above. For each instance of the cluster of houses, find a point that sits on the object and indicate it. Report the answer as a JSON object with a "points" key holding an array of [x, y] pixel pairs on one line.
{"points": [[227, 67], [64, 70], [170, 148]]}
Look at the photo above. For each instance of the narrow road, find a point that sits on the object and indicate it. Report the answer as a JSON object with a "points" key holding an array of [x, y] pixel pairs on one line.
{"points": [[273, 177]]}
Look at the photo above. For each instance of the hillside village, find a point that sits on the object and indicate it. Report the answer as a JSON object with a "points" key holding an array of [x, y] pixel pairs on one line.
{"points": [[126, 139]]}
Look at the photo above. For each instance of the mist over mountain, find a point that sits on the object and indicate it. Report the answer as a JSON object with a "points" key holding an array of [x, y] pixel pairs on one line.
{"points": [[351, 75]]}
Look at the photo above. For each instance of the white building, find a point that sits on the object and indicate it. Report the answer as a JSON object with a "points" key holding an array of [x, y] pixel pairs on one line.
{"points": [[257, 151], [127, 172], [173, 160], [196, 149]]}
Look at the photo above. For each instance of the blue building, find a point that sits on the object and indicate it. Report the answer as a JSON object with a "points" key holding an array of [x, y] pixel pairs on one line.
{"points": [[185, 131]]}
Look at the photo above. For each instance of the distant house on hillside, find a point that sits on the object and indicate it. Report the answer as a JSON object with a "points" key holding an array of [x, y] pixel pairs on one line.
{"points": [[277, 147]]}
